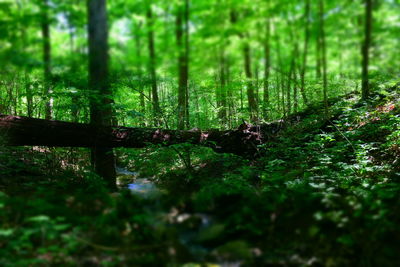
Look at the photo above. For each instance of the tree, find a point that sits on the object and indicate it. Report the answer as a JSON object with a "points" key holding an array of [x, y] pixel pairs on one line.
{"points": [[305, 51], [182, 40], [258, 66], [365, 49], [267, 66], [138, 45], [221, 90], [322, 42], [251, 96], [152, 64], [250, 88], [46, 58], [100, 100]]}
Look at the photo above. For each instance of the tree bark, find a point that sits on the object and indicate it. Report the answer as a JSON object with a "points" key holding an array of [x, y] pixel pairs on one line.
{"points": [[222, 93], [290, 84], [182, 40], [29, 95], [318, 56], [295, 80], [323, 51], [46, 59], [24, 131], [267, 66], [138, 46], [100, 101], [152, 66], [251, 96], [281, 86], [366, 48], [305, 53], [187, 52]]}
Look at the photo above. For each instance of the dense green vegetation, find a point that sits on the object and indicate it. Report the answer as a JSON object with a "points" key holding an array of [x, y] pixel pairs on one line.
{"points": [[216, 60], [323, 190], [324, 194]]}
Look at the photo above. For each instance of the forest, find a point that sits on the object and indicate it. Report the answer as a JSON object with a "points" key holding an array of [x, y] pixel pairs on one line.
{"points": [[199, 133]]}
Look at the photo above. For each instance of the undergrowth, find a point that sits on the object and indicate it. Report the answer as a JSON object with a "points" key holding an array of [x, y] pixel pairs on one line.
{"points": [[324, 193]]}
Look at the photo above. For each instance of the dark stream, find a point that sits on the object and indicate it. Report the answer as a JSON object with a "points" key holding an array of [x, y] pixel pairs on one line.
{"points": [[139, 186], [189, 233]]}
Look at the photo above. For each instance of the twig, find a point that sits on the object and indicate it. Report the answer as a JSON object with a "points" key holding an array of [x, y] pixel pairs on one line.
{"points": [[342, 135], [106, 248], [160, 111], [96, 246]]}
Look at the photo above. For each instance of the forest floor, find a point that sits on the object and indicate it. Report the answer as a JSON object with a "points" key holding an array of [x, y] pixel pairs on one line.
{"points": [[322, 193]]}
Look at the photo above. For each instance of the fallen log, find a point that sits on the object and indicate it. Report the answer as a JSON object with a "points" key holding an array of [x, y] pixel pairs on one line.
{"points": [[24, 131], [244, 141]]}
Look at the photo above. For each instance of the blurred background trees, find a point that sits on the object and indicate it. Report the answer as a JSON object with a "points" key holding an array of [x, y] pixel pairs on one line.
{"points": [[184, 64]]}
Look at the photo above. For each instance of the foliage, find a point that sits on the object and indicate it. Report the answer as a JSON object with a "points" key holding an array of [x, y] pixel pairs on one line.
{"points": [[314, 191], [323, 192], [214, 39]]}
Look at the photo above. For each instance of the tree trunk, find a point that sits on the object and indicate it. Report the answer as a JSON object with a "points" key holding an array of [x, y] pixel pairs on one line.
{"points": [[183, 68], [75, 99], [138, 45], [152, 66], [230, 98], [281, 86], [100, 101], [294, 79], [366, 48], [290, 82], [277, 91], [29, 95], [251, 97], [27, 82], [257, 81], [222, 93], [305, 53], [318, 55], [267, 66], [323, 51], [46, 59], [187, 51]]}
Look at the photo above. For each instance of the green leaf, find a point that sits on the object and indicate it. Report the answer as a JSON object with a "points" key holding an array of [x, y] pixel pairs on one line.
{"points": [[6, 232]]}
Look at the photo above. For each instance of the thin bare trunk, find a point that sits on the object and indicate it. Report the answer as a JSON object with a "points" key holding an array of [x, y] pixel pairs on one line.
{"points": [[365, 49], [295, 80], [138, 46], [152, 66], [289, 86], [267, 66], [187, 52], [222, 94], [29, 95], [323, 51], [305, 53], [251, 96], [318, 56], [281, 94], [47, 59]]}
